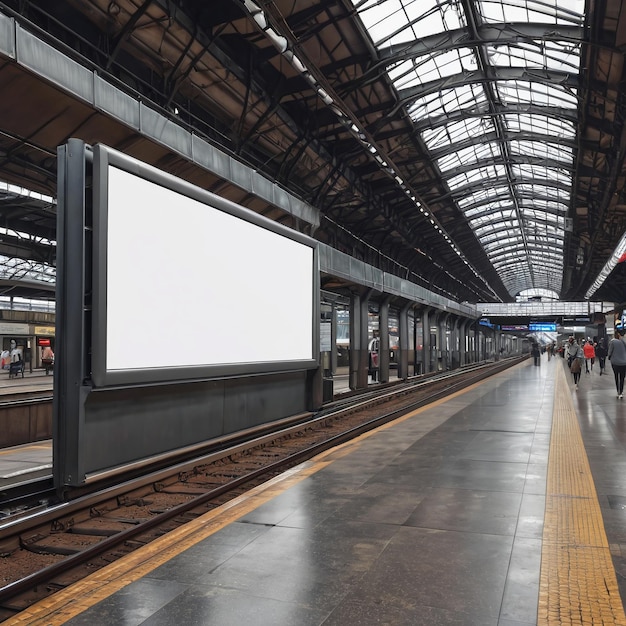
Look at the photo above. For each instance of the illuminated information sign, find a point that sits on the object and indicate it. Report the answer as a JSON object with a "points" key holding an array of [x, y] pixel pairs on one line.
{"points": [[543, 327]]}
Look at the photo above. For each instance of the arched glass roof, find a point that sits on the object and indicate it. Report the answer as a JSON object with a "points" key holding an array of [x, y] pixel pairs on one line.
{"points": [[491, 87]]}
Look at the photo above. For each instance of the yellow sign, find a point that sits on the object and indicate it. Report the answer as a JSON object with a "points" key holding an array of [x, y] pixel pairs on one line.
{"points": [[44, 330]]}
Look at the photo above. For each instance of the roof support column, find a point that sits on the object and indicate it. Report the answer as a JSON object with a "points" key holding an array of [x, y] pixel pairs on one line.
{"points": [[439, 338], [383, 330], [454, 344], [358, 340], [444, 342], [403, 356], [472, 338], [426, 358], [498, 349], [463, 341]]}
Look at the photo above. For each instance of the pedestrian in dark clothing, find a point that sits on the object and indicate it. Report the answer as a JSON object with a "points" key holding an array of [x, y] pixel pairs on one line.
{"points": [[601, 353], [536, 353], [617, 356]]}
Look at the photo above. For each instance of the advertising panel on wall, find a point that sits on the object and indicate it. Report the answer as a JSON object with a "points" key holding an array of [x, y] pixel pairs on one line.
{"points": [[190, 285]]}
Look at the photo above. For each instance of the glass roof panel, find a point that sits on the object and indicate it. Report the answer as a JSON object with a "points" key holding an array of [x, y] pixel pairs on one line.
{"points": [[520, 90], [489, 172], [501, 211], [468, 156], [447, 101], [428, 68], [484, 194], [542, 11], [539, 124], [497, 239], [404, 21], [543, 150], [535, 92], [457, 131], [507, 223], [554, 194], [554, 55], [538, 173], [13, 268], [20, 269]]}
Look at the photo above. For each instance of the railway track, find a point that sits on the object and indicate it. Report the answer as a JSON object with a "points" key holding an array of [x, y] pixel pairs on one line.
{"points": [[50, 549]]}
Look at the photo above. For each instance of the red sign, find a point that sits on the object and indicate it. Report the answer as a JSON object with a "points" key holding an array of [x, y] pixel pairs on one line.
{"points": [[43, 342]]}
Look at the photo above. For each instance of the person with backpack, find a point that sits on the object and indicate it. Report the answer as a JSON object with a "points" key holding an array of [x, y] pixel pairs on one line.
{"points": [[575, 359]]}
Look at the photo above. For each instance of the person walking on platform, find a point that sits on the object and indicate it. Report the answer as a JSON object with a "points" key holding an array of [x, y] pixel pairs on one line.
{"points": [[617, 356], [575, 359], [590, 355], [536, 352], [601, 353], [571, 350]]}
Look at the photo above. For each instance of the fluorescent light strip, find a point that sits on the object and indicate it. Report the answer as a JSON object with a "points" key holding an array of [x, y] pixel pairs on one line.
{"points": [[608, 268]]}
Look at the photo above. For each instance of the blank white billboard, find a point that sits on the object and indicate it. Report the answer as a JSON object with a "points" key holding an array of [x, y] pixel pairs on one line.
{"points": [[183, 283]]}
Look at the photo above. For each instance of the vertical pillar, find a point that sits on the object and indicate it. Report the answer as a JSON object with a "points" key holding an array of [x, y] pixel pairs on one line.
{"points": [[71, 371], [333, 339], [463, 342], [454, 335], [383, 333], [438, 318], [427, 366], [358, 363], [444, 342], [403, 357], [480, 342], [473, 341]]}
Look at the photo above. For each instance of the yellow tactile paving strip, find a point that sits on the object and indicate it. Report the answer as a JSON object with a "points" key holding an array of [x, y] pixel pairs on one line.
{"points": [[578, 583]]}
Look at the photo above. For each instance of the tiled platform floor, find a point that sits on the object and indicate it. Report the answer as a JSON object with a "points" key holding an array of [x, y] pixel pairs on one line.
{"points": [[436, 519]]}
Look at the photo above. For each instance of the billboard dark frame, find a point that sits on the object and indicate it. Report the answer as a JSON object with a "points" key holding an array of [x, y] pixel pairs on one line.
{"points": [[136, 206]]}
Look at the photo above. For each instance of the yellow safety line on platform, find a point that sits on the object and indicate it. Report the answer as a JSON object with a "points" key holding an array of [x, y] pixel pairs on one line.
{"points": [[79, 597], [27, 447], [578, 583]]}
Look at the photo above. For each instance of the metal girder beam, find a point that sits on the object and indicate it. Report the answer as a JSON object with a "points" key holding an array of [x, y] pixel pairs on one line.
{"points": [[461, 192], [477, 140], [513, 74], [26, 249], [453, 117], [128, 28], [498, 250], [497, 34], [522, 197]]}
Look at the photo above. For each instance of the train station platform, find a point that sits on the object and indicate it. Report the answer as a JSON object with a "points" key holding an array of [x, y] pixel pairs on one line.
{"points": [[501, 505], [37, 380], [29, 461]]}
